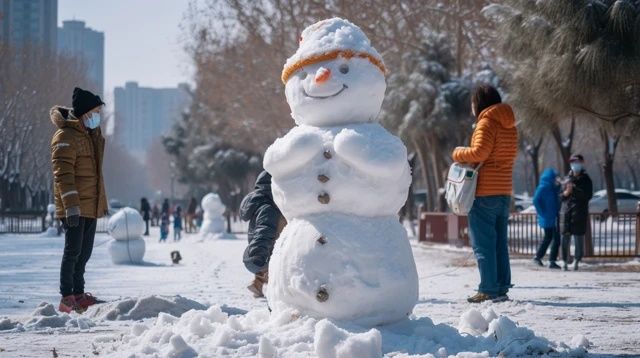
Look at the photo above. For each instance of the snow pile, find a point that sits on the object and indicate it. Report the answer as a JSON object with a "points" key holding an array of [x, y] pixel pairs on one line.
{"points": [[45, 317], [126, 227], [144, 307], [212, 220], [213, 333]]}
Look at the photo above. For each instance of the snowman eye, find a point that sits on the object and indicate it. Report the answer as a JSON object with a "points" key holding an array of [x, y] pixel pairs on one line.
{"points": [[302, 75], [344, 69]]}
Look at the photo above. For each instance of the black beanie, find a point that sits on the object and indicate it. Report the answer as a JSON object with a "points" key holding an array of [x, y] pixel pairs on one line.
{"points": [[84, 101]]}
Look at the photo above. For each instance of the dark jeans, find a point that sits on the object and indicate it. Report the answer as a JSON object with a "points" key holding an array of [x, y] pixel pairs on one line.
{"points": [[78, 245], [488, 221], [566, 247], [551, 237], [146, 225]]}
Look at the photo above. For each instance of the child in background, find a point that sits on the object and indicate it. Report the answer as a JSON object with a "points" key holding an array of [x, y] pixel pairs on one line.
{"points": [[164, 227], [177, 224]]}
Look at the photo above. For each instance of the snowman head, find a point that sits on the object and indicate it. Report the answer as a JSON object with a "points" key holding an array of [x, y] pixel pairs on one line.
{"points": [[335, 77]]}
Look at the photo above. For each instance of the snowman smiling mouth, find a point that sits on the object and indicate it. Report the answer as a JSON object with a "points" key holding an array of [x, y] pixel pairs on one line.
{"points": [[344, 87]]}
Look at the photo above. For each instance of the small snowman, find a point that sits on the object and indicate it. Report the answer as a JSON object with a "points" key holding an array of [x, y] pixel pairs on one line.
{"points": [[212, 220], [126, 227], [340, 179]]}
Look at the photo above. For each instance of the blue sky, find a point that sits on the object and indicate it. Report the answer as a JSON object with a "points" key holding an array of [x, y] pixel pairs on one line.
{"points": [[142, 39]]}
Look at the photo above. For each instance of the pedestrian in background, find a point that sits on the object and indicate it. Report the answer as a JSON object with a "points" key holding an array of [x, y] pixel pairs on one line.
{"points": [[77, 151], [164, 226], [155, 215], [547, 203], [191, 215], [177, 224], [145, 209], [494, 146], [578, 190]]}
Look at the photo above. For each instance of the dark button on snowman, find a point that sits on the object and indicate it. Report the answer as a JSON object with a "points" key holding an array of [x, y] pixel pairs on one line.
{"points": [[340, 179]]}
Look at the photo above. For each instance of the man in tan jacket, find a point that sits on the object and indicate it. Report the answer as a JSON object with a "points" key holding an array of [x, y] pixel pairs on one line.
{"points": [[77, 150]]}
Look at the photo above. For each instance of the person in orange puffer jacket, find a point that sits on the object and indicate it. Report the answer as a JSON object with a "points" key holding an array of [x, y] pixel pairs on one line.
{"points": [[494, 145]]}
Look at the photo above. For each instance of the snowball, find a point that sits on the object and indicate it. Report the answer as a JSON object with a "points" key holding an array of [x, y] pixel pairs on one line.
{"points": [[126, 224], [51, 208], [127, 251], [472, 322], [212, 204]]}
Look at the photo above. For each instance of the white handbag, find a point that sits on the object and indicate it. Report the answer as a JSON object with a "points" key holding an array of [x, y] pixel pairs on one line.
{"points": [[461, 187]]}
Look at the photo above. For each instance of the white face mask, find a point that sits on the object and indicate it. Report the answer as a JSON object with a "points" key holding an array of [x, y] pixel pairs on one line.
{"points": [[576, 167], [93, 122]]}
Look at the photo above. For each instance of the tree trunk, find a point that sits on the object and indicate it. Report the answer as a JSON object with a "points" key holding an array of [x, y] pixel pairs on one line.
{"points": [[610, 146], [534, 153], [564, 144]]}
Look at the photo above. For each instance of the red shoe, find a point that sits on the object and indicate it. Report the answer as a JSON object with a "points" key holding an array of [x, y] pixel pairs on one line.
{"points": [[68, 304], [85, 300]]}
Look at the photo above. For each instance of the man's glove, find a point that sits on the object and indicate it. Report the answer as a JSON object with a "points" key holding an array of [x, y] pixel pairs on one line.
{"points": [[73, 216]]}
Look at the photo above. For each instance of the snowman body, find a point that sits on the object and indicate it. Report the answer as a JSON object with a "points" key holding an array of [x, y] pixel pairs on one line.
{"points": [[340, 179], [212, 220]]}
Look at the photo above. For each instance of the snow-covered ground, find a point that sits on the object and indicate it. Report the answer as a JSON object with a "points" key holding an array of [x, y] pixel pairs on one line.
{"points": [[600, 303]]}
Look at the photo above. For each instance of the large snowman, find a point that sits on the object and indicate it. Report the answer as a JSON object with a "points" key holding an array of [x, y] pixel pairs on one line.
{"points": [[340, 179]]}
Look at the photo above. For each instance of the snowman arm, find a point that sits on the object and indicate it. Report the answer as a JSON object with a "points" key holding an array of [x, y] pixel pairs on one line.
{"points": [[378, 153], [291, 152]]}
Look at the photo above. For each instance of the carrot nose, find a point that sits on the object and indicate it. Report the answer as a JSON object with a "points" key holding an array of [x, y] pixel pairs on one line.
{"points": [[322, 75]]}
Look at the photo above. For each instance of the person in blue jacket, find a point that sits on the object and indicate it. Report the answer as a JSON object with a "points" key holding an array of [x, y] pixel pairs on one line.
{"points": [[547, 203], [265, 224]]}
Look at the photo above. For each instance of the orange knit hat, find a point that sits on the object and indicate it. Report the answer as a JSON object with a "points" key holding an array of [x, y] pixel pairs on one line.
{"points": [[327, 40]]}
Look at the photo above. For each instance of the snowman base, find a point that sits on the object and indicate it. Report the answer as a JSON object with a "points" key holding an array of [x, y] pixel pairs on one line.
{"points": [[344, 267], [50, 232], [127, 252]]}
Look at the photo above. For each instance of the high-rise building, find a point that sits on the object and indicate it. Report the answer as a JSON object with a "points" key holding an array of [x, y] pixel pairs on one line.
{"points": [[143, 114], [29, 22], [77, 40]]}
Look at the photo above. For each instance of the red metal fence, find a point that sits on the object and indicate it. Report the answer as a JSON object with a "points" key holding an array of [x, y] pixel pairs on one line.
{"points": [[610, 236]]}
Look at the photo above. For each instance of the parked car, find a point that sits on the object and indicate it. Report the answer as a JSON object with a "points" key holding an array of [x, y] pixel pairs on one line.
{"points": [[522, 201], [627, 202]]}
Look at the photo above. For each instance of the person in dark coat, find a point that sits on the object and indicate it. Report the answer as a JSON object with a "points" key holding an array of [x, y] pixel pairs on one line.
{"points": [[265, 224], [547, 203], [145, 209], [166, 208], [191, 215], [155, 215], [578, 190]]}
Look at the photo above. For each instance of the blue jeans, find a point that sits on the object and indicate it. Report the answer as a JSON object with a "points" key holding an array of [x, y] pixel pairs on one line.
{"points": [[488, 220]]}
